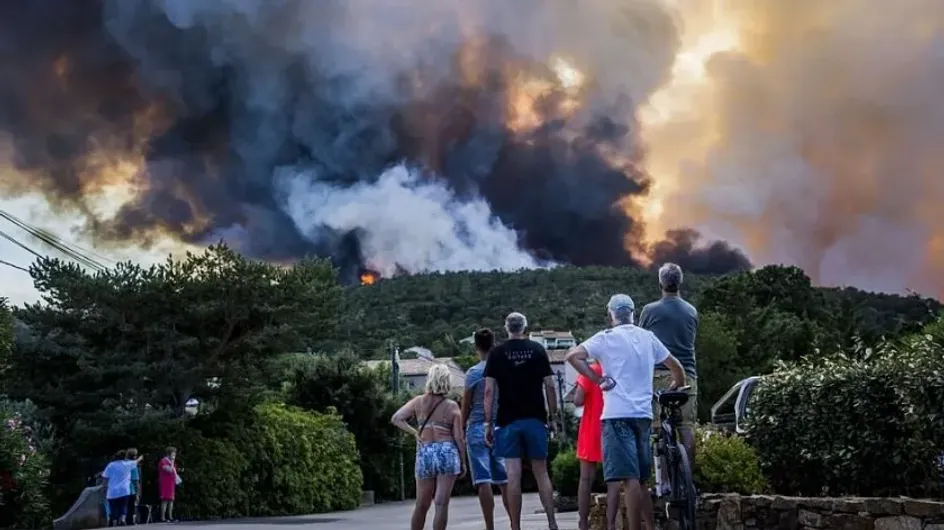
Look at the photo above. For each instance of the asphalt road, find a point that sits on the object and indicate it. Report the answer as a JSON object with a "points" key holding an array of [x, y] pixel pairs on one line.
{"points": [[464, 514]]}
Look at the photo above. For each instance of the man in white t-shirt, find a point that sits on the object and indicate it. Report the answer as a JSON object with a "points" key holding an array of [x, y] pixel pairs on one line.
{"points": [[628, 356]]}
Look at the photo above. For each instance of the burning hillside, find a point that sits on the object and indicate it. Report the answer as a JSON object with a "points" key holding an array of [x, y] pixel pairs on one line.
{"points": [[489, 134]]}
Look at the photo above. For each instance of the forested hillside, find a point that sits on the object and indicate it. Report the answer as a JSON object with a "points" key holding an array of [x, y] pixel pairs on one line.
{"points": [[436, 310], [748, 320]]}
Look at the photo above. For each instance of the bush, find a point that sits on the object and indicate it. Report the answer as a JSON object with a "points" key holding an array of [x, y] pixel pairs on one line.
{"points": [[215, 478], [868, 425], [726, 464], [24, 475], [362, 397], [301, 463], [566, 470]]}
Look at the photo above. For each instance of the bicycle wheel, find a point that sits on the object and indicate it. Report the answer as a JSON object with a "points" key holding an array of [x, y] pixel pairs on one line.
{"points": [[683, 489]]}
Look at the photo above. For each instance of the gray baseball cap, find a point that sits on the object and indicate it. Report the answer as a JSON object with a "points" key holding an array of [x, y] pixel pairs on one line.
{"points": [[621, 302]]}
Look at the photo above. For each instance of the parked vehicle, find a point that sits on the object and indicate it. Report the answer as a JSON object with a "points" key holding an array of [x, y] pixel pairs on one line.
{"points": [[729, 412]]}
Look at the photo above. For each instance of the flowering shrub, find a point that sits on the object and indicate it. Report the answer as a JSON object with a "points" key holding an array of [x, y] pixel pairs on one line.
{"points": [[24, 473]]}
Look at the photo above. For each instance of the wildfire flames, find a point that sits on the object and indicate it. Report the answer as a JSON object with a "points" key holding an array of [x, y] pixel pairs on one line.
{"points": [[526, 133]]}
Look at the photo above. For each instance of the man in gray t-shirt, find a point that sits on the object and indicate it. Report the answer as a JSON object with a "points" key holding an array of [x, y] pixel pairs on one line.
{"points": [[486, 467], [675, 323]]}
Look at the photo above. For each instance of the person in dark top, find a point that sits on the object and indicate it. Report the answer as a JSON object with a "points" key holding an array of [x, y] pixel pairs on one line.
{"points": [[520, 370], [675, 323]]}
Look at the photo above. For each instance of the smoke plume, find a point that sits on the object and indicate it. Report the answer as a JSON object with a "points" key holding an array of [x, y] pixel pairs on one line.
{"points": [[404, 135], [809, 132]]}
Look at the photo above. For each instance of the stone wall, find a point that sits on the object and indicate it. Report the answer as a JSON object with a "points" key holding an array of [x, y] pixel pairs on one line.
{"points": [[765, 512]]}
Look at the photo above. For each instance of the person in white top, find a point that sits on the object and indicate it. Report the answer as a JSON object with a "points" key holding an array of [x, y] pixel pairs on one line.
{"points": [[628, 356], [117, 475]]}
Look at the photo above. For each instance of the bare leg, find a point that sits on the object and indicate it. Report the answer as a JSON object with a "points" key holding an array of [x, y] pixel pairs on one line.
{"points": [[503, 490], [513, 492], [163, 510], [425, 488], [170, 510], [545, 490], [645, 504], [612, 503], [633, 504], [443, 494], [588, 471], [487, 502]]}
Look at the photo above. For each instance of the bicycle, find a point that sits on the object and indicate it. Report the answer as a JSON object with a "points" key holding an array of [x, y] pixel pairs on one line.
{"points": [[669, 454]]}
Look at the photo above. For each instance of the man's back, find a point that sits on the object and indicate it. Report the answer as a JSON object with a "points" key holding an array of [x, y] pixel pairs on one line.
{"points": [[628, 355], [519, 367], [675, 323], [475, 381]]}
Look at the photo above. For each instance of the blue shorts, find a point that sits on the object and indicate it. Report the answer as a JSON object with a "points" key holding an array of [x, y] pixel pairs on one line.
{"points": [[434, 459], [484, 466], [525, 438], [627, 454]]}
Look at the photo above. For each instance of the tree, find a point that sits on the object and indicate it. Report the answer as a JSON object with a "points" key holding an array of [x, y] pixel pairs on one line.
{"points": [[113, 352], [6, 336], [363, 399]]}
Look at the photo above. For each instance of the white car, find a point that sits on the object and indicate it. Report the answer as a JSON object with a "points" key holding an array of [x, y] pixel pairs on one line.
{"points": [[729, 412]]}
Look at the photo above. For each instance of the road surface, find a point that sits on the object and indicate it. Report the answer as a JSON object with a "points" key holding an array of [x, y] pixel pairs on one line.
{"points": [[464, 514]]}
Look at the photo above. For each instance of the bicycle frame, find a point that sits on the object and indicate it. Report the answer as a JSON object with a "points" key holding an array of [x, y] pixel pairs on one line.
{"points": [[665, 438]]}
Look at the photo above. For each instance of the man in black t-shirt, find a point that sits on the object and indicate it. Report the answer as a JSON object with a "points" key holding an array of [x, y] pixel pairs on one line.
{"points": [[520, 371]]}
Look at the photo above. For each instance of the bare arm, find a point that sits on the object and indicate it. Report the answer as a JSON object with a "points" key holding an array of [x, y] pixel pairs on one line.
{"points": [[466, 406], [550, 392], [400, 417], [489, 397], [577, 357], [579, 396], [458, 434], [675, 368]]}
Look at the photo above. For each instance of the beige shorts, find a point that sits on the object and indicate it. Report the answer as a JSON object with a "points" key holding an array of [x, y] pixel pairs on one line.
{"points": [[660, 381]]}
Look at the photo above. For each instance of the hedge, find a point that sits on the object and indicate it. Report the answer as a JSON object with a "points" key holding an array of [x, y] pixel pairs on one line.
{"points": [[865, 423]]}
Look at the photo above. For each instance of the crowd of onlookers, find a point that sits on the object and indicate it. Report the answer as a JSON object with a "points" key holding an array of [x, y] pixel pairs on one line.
{"points": [[122, 481]]}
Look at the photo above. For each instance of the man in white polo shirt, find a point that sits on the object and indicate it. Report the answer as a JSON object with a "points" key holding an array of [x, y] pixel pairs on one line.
{"points": [[628, 356]]}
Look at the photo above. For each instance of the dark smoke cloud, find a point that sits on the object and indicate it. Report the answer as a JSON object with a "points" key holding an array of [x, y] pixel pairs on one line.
{"points": [[294, 127]]}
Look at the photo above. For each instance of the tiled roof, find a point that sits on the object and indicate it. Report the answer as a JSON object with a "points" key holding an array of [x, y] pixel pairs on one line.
{"points": [[557, 356], [420, 367]]}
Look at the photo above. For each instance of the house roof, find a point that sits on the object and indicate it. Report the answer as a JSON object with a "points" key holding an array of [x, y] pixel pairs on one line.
{"points": [[557, 356], [551, 334], [421, 366]]}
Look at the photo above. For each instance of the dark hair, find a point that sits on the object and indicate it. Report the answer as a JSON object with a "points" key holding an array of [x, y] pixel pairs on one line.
{"points": [[170, 450], [484, 339], [132, 453], [120, 455]]}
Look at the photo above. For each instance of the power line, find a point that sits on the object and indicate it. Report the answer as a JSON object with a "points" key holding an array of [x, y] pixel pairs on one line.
{"points": [[44, 236], [8, 264]]}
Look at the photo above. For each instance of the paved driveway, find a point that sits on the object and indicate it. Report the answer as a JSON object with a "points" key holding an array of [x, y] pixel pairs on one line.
{"points": [[464, 514]]}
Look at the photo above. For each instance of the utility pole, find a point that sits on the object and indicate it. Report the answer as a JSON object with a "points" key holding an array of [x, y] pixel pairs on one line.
{"points": [[395, 386], [560, 408]]}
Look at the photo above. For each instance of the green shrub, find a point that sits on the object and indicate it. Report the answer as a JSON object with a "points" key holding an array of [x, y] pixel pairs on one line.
{"points": [[302, 463], [566, 470], [24, 477], [867, 425], [726, 464], [215, 479]]}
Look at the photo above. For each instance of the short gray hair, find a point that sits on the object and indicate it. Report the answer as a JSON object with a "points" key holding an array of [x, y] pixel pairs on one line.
{"points": [[516, 322], [670, 277]]}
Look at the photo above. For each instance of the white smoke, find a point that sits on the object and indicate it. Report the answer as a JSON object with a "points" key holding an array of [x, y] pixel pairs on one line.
{"points": [[406, 222]]}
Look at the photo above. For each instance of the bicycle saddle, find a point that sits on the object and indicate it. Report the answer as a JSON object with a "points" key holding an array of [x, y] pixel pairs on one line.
{"points": [[674, 398]]}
